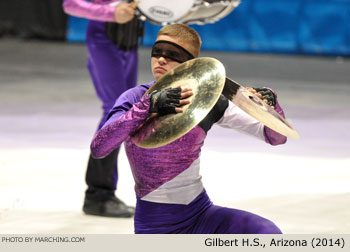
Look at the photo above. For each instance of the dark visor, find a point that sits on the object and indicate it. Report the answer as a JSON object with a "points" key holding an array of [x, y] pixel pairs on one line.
{"points": [[170, 50]]}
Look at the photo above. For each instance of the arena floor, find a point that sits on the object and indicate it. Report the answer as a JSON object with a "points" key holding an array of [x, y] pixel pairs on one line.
{"points": [[49, 113]]}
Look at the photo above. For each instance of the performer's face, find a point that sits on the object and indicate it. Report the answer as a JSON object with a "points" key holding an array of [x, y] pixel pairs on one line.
{"points": [[161, 65]]}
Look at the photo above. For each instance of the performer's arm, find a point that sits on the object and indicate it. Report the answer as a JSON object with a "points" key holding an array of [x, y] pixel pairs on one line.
{"points": [[130, 112], [89, 10], [235, 118], [126, 116], [272, 137]]}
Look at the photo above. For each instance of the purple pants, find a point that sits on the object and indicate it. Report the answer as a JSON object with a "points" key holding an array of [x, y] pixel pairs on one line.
{"points": [[199, 217], [112, 71]]}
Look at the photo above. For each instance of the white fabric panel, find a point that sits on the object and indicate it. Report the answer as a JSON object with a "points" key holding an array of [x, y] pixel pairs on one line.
{"points": [[182, 189], [236, 118]]}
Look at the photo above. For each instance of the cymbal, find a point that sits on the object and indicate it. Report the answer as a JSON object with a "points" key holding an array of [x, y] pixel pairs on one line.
{"points": [[206, 77], [258, 109]]}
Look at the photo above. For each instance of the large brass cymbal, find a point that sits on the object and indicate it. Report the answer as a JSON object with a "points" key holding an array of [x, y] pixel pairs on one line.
{"points": [[206, 77], [258, 109]]}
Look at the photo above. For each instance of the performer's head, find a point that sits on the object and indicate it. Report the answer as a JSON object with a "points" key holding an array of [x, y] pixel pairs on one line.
{"points": [[174, 45]]}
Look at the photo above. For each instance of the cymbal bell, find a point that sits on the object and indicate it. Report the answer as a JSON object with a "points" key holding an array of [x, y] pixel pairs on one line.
{"points": [[206, 77], [258, 109]]}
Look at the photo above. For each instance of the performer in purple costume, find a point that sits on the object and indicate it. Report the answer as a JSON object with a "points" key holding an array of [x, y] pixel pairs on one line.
{"points": [[113, 69], [170, 194]]}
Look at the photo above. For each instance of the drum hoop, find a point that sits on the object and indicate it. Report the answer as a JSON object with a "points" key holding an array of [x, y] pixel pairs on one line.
{"points": [[145, 17], [141, 15], [228, 7], [209, 19]]}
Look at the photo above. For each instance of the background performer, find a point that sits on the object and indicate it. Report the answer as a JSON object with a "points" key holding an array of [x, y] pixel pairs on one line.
{"points": [[111, 40]]}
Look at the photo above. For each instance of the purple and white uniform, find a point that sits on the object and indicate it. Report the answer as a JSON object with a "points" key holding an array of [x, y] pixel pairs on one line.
{"points": [[113, 71], [170, 194]]}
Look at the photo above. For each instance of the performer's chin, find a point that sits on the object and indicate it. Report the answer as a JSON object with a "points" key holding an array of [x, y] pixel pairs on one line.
{"points": [[158, 73]]}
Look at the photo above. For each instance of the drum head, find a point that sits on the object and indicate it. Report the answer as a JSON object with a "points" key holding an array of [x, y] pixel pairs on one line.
{"points": [[162, 12]]}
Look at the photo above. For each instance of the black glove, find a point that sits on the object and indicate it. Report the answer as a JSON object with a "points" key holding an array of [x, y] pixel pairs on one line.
{"points": [[268, 95], [164, 102]]}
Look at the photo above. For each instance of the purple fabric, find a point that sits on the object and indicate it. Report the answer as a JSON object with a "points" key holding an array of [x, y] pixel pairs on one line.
{"points": [[112, 70], [95, 10], [126, 101], [201, 216], [272, 137], [152, 168], [169, 160], [116, 132], [129, 112]]}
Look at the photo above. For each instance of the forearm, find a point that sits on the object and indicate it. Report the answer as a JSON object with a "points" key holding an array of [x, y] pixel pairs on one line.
{"points": [[235, 118], [89, 10], [115, 131]]}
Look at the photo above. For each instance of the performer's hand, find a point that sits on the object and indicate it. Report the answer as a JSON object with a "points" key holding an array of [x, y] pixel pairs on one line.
{"points": [[169, 101], [185, 93], [124, 12], [264, 94]]}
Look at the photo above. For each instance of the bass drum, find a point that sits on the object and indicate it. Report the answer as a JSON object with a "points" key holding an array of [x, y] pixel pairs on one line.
{"points": [[161, 12]]}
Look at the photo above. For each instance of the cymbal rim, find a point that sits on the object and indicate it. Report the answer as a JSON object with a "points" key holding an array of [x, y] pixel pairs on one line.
{"points": [[206, 77], [264, 113]]}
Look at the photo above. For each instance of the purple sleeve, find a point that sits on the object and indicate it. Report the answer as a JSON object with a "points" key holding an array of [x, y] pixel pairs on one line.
{"points": [[117, 129], [271, 136], [89, 10], [129, 112]]}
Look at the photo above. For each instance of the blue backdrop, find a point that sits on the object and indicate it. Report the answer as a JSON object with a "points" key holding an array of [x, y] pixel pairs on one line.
{"points": [[274, 26]]}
